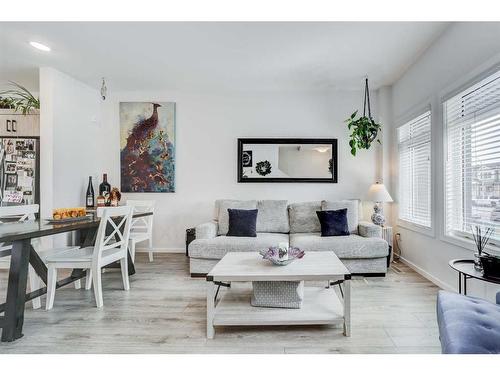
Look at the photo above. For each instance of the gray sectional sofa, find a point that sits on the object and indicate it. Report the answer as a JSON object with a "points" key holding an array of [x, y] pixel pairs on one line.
{"points": [[363, 251]]}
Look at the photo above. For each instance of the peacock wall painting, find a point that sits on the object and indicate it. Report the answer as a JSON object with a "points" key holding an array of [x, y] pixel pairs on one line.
{"points": [[147, 147]]}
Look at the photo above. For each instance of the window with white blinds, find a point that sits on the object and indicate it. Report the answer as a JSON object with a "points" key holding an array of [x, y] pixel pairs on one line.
{"points": [[414, 145], [472, 121]]}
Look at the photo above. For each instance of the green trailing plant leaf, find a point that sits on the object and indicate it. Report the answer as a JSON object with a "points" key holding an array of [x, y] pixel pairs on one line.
{"points": [[18, 98], [364, 131]]}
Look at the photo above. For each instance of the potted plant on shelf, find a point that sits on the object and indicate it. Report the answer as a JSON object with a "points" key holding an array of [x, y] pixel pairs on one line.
{"points": [[5, 104], [364, 130], [18, 98]]}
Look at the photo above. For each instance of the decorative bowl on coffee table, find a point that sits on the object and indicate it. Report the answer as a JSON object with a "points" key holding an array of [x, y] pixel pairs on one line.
{"points": [[275, 257]]}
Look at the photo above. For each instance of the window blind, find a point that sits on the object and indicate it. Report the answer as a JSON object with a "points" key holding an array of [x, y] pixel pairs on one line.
{"points": [[414, 145], [472, 121]]}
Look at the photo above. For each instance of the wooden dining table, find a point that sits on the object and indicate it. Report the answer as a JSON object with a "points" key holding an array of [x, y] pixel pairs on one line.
{"points": [[23, 254]]}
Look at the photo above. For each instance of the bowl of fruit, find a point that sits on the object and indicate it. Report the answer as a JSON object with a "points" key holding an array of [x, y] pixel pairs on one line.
{"points": [[65, 215]]}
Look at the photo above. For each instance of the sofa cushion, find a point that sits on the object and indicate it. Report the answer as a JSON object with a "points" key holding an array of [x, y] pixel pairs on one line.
{"points": [[367, 229], [352, 211], [366, 266], [242, 223], [206, 230], [467, 325], [333, 222], [303, 217], [223, 217], [216, 248], [347, 247], [273, 216]]}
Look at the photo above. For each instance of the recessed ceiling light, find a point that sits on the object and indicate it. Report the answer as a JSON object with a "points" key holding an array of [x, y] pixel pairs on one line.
{"points": [[40, 46]]}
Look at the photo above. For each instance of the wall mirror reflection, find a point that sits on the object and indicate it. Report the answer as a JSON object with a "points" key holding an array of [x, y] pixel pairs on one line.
{"points": [[287, 160]]}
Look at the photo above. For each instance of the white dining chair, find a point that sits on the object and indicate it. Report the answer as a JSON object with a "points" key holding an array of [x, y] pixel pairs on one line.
{"points": [[142, 227], [107, 249], [27, 213]]}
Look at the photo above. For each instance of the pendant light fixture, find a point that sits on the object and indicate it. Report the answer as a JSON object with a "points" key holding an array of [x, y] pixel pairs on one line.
{"points": [[104, 89]]}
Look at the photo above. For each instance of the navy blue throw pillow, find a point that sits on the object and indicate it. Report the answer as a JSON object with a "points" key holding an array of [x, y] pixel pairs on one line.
{"points": [[242, 223], [333, 223]]}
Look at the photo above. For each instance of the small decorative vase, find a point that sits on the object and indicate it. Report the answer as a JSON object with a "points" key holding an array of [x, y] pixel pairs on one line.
{"points": [[478, 266], [283, 251]]}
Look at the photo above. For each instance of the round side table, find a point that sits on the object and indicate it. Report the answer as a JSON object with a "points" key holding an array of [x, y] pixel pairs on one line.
{"points": [[466, 270]]}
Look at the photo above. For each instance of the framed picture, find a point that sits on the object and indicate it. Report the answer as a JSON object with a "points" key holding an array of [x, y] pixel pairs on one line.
{"points": [[9, 148], [147, 147], [10, 167], [11, 157], [30, 145], [11, 182], [29, 155], [20, 145]]}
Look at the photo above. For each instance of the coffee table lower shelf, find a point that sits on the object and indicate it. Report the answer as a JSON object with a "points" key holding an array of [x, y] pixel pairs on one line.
{"points": [[320, 306]]}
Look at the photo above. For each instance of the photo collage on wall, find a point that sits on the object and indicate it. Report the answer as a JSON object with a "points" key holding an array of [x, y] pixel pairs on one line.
{"points": [[19, 165]]}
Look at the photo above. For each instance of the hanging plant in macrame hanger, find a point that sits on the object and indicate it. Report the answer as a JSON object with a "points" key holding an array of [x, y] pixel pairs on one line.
{"points": [[364, 130]]}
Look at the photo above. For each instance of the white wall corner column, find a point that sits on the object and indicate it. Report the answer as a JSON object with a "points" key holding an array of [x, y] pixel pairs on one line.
{"points": [[72, 140], [46, 141], [384, 154]]}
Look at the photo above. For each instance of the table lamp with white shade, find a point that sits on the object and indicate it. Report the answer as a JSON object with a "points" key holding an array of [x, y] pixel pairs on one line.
{"points": [[378, 194]]}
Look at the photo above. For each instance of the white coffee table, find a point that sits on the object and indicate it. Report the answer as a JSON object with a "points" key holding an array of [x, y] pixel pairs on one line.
{"points": [[321, 305]]}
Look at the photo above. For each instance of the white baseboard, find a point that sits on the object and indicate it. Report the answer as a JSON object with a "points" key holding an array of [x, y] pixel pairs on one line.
{"points": [[162, 250], [427, 275]]}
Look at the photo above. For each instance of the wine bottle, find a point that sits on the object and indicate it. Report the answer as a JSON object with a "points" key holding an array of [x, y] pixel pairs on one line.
{"points": [[90, 202], [104, 187]]}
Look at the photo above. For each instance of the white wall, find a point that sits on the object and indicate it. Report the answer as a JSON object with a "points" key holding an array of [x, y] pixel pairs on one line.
{"points": [[207, 130], [463, 51], [72, 140], [384, 154]]}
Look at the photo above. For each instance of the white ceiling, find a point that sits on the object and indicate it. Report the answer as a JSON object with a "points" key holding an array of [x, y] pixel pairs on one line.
{"points": [[217, 56]]}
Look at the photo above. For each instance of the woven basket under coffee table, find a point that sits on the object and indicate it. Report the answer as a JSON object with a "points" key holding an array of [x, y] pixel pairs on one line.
{"points": [[282, 294], [320, 305]]}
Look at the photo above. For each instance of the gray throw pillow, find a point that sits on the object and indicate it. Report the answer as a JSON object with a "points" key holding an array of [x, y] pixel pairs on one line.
{"points": [[303, 218], [223, 216], [272, 217]]}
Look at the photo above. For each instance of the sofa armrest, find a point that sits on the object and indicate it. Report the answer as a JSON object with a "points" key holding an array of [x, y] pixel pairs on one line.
{"points": [[206, 230], [366, 229]]}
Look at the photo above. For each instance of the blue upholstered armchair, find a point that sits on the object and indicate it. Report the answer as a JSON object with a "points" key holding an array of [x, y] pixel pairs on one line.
{"points": [[468, 325]]}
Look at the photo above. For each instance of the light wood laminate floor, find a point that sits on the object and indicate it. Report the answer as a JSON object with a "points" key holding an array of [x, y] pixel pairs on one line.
{"points": [[164, 312]]}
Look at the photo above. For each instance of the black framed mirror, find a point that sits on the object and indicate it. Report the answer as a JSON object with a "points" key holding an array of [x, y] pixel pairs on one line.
{"points": [[287, 160]]}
